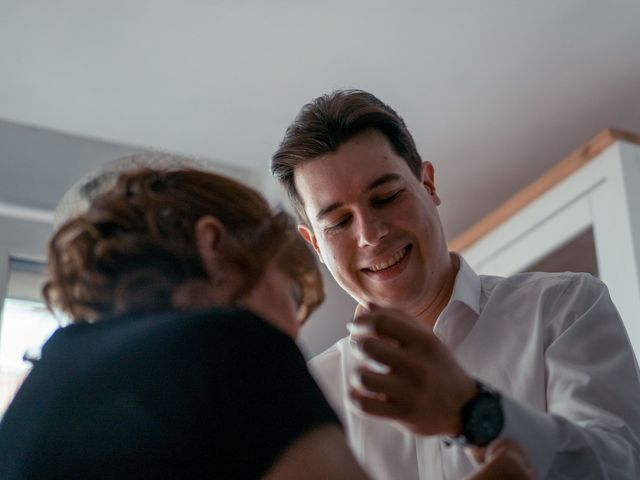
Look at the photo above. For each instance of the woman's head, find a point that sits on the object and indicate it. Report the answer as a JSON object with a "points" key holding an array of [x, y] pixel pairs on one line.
{"points": [[184, 238]]}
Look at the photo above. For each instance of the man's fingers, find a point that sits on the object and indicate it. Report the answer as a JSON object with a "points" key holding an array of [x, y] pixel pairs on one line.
{"points": [[377, 405], [389, 385], [393, 324], [383, 351]]}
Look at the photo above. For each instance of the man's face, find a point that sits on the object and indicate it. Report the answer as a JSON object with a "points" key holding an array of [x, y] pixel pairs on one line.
{"points": [[374, 224]]}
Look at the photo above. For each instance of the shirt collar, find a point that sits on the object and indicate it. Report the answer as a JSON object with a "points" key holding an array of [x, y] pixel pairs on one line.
{"points": [[467, 287]]}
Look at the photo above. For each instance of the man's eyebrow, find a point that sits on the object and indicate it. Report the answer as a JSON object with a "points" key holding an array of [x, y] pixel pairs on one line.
{"points": [[388, 177], [327, 210]]}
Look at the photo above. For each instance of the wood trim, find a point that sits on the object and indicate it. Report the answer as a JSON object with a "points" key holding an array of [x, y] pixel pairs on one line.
{"points": [[552, 177]]}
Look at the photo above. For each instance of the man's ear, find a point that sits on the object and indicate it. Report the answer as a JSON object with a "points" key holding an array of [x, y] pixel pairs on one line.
{"points": [[210, 233], [306, 233], [429, 181]]}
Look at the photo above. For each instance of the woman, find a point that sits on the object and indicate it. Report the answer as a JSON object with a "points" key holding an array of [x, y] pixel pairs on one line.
{"points": [[150, 381], [168, 369]]}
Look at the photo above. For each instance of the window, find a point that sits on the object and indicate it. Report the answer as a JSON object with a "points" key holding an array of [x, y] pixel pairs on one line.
{"points": [[25, 324]]}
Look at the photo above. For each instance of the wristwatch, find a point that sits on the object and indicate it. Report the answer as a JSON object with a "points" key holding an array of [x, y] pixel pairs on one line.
{"points": [[482, 418]]}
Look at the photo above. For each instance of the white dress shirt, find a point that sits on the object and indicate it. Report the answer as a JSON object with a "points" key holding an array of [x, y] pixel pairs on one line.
{"points": [[554, 345]]}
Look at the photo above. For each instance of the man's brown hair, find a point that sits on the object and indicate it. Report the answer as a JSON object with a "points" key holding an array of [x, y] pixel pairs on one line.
{"points": [[327, 122]]}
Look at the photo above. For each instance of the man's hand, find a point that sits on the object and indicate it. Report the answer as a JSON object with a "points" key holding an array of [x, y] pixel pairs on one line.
{"points": [[424, 389], [504, 461]]}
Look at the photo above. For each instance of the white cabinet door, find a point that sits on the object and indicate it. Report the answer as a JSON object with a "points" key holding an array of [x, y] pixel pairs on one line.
{"points": [[604, 196]]}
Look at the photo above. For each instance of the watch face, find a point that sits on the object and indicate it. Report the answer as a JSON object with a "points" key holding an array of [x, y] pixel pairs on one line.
{"points": [[484, 420]]}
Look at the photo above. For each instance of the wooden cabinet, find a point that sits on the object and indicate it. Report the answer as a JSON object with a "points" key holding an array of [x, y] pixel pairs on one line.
{"points": [[582, 215]]}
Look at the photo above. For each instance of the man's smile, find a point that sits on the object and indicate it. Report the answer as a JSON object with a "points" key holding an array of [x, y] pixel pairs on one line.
{"points": [[390, 266]]}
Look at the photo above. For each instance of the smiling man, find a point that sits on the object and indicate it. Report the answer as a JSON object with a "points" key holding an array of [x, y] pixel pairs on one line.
{"points": [[370, 226], [440, 358]]}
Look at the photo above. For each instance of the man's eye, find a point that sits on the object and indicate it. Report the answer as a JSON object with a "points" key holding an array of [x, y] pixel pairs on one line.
{"points": [[338, 225], [386, 199]]}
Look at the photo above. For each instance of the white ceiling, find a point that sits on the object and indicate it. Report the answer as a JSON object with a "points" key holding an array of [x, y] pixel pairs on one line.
{"points": [[494, 91]]}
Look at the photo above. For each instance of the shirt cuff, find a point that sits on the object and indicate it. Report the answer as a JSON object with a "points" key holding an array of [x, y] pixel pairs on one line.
{"points": [[533, 429]]}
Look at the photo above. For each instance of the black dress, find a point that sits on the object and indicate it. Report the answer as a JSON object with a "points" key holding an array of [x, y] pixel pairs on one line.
{"points": [[209, 394]]}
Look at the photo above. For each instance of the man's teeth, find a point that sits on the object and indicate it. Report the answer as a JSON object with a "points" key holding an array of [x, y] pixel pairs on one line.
{"points": [[392, 261]]}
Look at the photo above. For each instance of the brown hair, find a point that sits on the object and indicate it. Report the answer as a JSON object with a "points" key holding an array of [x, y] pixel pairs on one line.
{"points": [[327, 122], [136, 246]]}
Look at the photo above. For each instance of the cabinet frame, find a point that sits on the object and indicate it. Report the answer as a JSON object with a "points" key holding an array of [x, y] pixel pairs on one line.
{"points": [[597, 187]]}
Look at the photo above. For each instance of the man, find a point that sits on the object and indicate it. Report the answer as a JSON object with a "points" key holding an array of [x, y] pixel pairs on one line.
{"points": [[451, 358]]}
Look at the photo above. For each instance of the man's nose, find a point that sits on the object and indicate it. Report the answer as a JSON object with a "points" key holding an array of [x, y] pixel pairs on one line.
{"points": [[371, 229]]}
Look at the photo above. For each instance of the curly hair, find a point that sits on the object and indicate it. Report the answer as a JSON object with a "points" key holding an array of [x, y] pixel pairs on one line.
{"points": [[136, 245]]}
